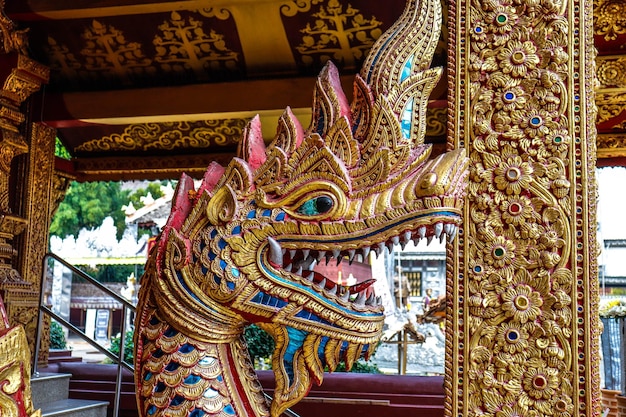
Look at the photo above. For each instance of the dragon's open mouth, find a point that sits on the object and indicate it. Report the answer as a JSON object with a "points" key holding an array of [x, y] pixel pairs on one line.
{"points": [[302, 262]]}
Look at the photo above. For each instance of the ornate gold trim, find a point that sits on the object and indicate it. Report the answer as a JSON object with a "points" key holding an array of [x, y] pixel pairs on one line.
{"points": [[203, 134], [523, 325]]}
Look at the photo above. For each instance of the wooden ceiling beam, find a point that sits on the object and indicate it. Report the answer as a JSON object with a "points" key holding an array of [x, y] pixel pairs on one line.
{"points": [[33, 10], [190, 102]]}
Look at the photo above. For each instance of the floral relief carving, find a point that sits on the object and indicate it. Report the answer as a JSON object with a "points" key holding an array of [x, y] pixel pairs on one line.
{"points": [[519, 283]]}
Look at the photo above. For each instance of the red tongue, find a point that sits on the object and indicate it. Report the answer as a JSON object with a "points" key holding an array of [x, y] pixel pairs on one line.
{"points": [[361, 286]]}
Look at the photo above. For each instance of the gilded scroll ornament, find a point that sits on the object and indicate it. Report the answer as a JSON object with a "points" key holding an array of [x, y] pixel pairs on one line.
{"points": [[242, 248], [611, 72], [609, 18], [168, 136]]}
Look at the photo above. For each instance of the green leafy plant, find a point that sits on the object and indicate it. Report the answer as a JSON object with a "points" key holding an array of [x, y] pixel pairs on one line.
{"points": [[57, 336], [128, 346], [260, 344]]}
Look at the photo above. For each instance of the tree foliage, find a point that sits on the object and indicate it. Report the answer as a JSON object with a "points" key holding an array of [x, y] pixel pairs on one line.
{"points": [[86, 205]]}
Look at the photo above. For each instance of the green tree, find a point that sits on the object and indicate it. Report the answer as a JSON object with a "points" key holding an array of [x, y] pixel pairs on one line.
{"points": [[86, 205], [154, 188]]}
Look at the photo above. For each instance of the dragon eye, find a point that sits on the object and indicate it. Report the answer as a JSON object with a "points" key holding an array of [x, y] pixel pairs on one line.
{"points": [[315, 206]]}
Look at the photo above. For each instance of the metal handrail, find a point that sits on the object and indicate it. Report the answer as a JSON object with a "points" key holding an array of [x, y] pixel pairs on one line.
{"points": [[43, 309], [118, 359]]}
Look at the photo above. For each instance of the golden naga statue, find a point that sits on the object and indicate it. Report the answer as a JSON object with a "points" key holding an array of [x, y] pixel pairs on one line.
{"points": [[15, 395], [242, 248]]}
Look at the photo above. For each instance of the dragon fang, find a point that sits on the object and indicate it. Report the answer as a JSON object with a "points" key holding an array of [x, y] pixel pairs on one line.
{"points": [[242, 248]]}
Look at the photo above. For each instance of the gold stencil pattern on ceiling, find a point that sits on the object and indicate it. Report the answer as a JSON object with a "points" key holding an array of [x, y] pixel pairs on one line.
{"points": [[339, 34], [181, 45], [609, 18], [520, 320], [184, 45], [107, 51], [170, 136]]}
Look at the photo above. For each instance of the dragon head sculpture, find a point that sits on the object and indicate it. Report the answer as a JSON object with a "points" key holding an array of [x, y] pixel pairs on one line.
{"points": [[242, 248]]}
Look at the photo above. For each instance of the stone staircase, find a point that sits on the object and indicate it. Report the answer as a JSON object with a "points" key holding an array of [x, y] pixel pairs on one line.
{"points": [[50, 394]]}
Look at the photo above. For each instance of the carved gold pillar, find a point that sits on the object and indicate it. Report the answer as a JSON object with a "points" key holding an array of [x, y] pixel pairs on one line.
{"points": [[20, 77], [522, 334]]}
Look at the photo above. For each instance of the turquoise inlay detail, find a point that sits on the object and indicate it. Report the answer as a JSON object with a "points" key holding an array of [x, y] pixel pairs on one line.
{"points": [[170, 332], [222, 244], [197, 413], [172, 366], [148, 376], [309, 208], [280, 216], [407, 119], [406, 70], [223, 264], [235, 272], [213, 233], [152, 409], [229, 410], [160, 387], [230, 285], [192, 379], [177, 400], [296, 341], [267, 213], [251, 214], [186, 348], [208, 360], [237, 230]]}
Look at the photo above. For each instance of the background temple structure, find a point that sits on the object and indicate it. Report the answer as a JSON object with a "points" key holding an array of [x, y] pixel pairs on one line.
{"points": [[535, 92]]}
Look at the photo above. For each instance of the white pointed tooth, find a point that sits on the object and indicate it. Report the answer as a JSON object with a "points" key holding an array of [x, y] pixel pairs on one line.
{"points": [[416, 240], [395, 240], [320, 255], [299, 271], [442, 237], [390, 247], [453, 233], [429, 239], [276, 253], [359, 257], [407, 236], [313, 264], [332, 291], [380, 248], [447, 228], [402, 245], [422, 232], [305, 253], [336, 253], [292, 253], [310, 277], [322, 283], [288, 268], [366, 252], [339, 259], [351, 254], [360, 299], [345, 296], [328, 258], [438, 229], [370, 300]]}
